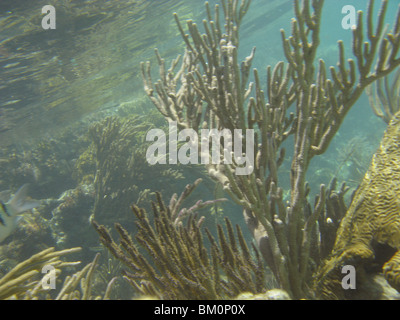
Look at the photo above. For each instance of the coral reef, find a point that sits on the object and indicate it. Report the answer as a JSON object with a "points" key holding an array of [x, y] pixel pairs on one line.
{"points": [[32, 234], [85, 280], [24, 282], [121, 169], [43, 164], [173, 262], [74, 170], [384, 97], [304, 99], [369, 235], [69, 223]]}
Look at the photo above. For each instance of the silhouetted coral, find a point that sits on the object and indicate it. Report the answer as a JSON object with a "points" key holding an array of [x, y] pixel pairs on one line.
{"points": [[168, 260]]}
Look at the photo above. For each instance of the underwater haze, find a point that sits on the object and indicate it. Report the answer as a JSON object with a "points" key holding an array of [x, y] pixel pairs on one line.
{"points": [[76, 109]]}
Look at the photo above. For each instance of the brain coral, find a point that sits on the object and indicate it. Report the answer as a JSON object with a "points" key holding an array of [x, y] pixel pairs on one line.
{"points": [[369, 235]]}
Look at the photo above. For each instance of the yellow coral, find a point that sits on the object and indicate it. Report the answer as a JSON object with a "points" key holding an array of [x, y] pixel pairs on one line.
{"points": [[369, 234]]}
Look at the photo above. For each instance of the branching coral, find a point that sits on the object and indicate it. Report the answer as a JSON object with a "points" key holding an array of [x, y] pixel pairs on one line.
{"points": [[384, 97], [24, 283], [84, 280], [21, 282], [173, 262], [208, 88]]}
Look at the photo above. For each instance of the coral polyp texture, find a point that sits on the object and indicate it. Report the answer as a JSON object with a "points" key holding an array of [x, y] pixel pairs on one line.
{"points": [[369, 235]]}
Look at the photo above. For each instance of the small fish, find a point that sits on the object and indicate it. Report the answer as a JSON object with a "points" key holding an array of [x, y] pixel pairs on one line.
{"points": [[9, 210]]}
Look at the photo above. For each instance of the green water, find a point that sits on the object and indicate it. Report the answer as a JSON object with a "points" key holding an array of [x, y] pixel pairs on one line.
{"points": [[55, 84]]}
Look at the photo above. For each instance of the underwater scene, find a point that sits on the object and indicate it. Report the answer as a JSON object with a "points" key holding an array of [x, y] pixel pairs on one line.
{"points": [[191, 150]]}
